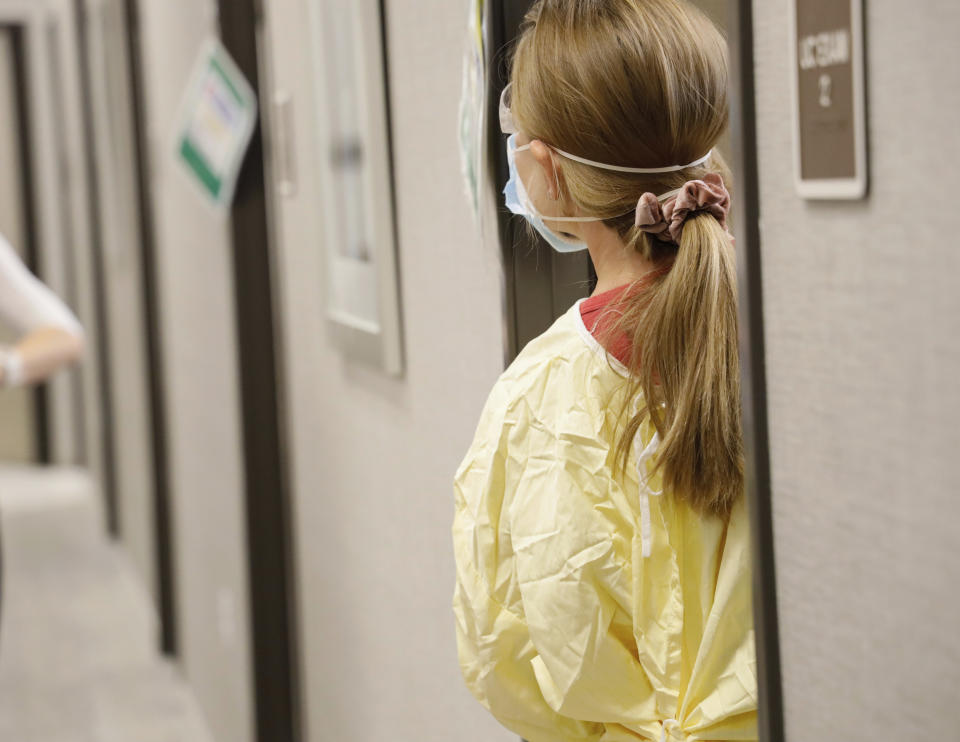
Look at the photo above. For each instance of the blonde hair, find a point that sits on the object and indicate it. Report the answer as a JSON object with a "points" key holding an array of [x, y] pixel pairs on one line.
{"points": [[643, 83]]}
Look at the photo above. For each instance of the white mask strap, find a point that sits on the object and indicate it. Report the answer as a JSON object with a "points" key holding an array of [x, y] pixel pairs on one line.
{"points": [[625, 169], [661, 198], [522, 192], [507, 126]]}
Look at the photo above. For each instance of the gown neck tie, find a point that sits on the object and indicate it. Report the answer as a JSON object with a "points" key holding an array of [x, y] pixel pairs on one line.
{"points": [[667, 724], [643, 456]]}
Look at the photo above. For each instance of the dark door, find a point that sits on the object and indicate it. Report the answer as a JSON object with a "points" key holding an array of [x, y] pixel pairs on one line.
{"points": [[541, 284], [267, 495]]}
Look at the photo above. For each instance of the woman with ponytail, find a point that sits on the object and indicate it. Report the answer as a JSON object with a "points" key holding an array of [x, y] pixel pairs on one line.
{"points": [[600, 530]]}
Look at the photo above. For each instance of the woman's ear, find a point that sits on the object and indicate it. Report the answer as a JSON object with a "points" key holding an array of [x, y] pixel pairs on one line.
{"points": [[544, 157]]}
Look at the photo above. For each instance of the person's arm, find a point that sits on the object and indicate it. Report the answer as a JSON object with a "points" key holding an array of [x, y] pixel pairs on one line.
{"points": [[38, 355], [496, 654], [50, 335]]}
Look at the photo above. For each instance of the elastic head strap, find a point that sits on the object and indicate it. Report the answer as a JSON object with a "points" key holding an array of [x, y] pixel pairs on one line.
{"points": [[509, 126], [661, 197], [625, 169]]}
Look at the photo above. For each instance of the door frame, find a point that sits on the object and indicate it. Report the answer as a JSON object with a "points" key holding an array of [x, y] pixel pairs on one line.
{"points": [[268, 501], [163, 518], [746, 222]]}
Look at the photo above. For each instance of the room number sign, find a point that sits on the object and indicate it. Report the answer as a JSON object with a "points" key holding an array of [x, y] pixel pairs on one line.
{"points": [[830, 152]]}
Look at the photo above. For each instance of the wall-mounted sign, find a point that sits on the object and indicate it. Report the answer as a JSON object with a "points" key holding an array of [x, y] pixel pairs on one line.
{"points": [[830, 150], [217, 116]]}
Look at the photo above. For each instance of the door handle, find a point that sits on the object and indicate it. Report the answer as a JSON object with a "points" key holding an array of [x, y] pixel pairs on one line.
{"points": [[285, 171]]}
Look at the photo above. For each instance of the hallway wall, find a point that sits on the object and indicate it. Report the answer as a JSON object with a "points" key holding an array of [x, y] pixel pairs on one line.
{"points": [[194, 269], [373, 457], [17, 435], [861, 305], [121, 281]]}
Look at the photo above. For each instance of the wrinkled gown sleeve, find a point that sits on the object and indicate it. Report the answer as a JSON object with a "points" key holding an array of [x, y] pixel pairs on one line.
{"points": [[543, 567], [496, 651]]}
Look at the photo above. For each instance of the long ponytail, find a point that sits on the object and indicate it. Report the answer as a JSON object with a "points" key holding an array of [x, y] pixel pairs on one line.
{"points": [[644, 84], [685, 369]]}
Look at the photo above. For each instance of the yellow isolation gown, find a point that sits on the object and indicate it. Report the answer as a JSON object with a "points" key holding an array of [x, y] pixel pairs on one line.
{"points": [[587, 606]]}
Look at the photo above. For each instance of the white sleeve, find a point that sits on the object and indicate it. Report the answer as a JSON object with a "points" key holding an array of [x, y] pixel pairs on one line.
{"points": [[26, 304]]}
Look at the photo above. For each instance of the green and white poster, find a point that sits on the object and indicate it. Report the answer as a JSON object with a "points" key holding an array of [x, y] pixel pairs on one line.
{"points": [[218, 114]]}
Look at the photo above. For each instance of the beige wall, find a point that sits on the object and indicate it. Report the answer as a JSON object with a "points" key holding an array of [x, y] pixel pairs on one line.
{"points": [[122, 279], [72, 198], [373, 457], [200, 385], [861, 308], [52, 166], [16, 405]]}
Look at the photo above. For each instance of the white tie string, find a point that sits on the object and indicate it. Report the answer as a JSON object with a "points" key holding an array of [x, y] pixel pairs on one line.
{"points": [[646, 536]]}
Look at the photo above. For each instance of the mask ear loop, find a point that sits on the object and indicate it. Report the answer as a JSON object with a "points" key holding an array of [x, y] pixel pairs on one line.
{"points": [[556, 176], [556, 172]]}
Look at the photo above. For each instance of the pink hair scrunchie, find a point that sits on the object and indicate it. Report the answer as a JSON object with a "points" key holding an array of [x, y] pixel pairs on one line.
{"points": [[665, 221]]}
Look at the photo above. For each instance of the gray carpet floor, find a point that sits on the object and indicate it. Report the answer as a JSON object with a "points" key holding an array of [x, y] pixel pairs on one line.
{"points": [[77, 629]]}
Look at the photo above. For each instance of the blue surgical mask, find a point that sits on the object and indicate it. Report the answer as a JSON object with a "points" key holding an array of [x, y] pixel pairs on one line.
{"points": [[519, 202]]}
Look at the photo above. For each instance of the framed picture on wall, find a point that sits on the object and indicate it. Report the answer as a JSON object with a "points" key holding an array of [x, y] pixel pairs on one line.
{"points": [[357, 208]]}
